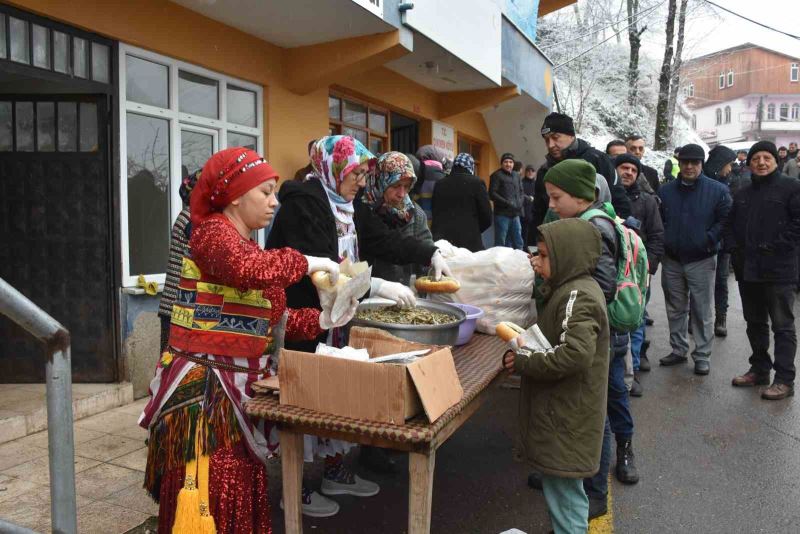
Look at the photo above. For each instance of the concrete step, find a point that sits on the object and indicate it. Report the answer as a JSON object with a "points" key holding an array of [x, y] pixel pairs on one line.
{"points": [[23, 407]]}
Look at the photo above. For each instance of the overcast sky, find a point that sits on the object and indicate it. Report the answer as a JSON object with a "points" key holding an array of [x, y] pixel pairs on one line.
{"points": [[710, 29]]}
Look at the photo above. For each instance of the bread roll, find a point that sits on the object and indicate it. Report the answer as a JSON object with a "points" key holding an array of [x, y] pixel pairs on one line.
{"points": [[507, 330], [322, 280], [426, 284]]}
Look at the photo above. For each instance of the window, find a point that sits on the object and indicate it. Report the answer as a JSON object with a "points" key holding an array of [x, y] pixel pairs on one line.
{"points": [[794, 72], [718, 117], [473, 149], [366, 122], [694, 122], [771, 112], [690, 90], [47, 126], [784, 112], [722, 80], [730, 78], [795, 112], [727, 114], [172, 120]]}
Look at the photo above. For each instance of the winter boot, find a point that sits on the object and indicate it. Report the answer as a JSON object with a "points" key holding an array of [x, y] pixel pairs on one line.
{"points": [[626, 468], [720, 328]]}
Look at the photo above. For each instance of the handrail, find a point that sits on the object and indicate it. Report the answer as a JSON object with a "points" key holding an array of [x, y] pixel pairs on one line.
{"points": [[60, 439]]}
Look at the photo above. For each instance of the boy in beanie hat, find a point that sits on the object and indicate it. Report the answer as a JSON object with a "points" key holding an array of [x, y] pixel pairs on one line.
{"points": [[570, 186], [505, 190]]}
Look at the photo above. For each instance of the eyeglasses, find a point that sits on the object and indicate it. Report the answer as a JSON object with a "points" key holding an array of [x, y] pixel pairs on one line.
{"points": [[359, 176]]}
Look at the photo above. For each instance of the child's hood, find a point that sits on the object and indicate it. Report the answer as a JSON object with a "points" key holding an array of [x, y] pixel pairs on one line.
{"points": [[574, 247]]}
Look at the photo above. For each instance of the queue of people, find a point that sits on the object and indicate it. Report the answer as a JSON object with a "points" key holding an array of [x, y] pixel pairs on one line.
{"points": [[226, 298]]}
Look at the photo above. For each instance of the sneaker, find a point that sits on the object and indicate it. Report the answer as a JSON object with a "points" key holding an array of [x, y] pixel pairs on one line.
{"points": [[777, 391], [357, 487], [315, 505]]}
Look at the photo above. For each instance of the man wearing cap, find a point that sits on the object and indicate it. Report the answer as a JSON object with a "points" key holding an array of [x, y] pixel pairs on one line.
{"points": [[558, 132], [763, 235], [505, 191], [694, 209], [645, 219]]}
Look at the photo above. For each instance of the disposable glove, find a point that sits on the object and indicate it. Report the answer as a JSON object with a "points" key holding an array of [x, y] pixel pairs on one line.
{"points": [[399, 293], [439, 266], [323, 264], [326, 322]]}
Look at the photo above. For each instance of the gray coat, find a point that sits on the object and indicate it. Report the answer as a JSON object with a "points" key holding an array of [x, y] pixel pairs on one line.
{"points": [[792, 168], [418, 228]]}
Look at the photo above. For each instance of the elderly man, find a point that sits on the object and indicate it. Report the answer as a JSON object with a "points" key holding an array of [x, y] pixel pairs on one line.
{"points": [[763, 234], [694, 209]]}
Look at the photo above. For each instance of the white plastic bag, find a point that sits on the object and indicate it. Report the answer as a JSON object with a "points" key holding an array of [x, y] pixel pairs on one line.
{"points": [[498, 280]]}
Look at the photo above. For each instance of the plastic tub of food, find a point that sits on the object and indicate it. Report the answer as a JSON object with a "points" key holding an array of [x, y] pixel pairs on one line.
{"points": [[467, 328]]}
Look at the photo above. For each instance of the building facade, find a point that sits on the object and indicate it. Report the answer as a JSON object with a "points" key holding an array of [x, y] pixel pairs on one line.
{"points": [[745, 93], [104, 107]]}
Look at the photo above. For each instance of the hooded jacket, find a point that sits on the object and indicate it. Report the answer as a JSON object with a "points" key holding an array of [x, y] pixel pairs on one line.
{"points": [[563, 391], [763, 230], [580, 149]]}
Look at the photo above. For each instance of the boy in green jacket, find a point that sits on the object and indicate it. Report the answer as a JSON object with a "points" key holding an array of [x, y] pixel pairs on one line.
{"points": [[563, 390]]}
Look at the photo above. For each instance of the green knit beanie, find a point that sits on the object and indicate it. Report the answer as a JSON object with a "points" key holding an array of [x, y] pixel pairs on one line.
{"points": [[575, 176]]}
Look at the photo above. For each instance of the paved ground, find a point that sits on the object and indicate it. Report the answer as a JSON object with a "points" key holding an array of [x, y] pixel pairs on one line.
{"points": [[713, 459]]}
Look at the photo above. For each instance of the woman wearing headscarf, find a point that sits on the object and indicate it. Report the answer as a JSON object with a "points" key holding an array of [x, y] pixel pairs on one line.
{"points": [[387, 194], [206, 457], [432, 170], [461, 209]]}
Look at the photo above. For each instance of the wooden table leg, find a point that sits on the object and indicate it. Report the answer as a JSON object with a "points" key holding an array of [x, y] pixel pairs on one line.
{"points": [[420, 491], [292, 470]]}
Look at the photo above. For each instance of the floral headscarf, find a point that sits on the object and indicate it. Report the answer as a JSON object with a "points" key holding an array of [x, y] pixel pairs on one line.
{"points": [[465, 161], [187, 184], [390, 169]]}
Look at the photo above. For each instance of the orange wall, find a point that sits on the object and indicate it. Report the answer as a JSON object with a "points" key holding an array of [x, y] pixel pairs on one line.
{"points": [[291, 120]]}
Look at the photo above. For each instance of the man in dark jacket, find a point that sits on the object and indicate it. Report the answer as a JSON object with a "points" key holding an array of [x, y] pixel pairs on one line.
{"points": [[763, 235], [635, 146], [783, 157], [693, 208], [719, 167], [558, 133], [505, 190], [461, 209], [645, 219], [671, 168], [529, 190]]}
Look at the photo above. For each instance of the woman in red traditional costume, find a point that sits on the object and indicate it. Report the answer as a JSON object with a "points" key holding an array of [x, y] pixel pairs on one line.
{"points": [[206, 457]]}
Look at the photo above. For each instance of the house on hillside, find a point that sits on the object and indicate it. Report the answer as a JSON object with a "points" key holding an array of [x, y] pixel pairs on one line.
{"points": [[744, 93]]}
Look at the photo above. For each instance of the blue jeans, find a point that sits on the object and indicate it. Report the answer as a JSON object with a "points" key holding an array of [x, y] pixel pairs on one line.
{"points": [[567, 504], [721, 283], [507, 232], [637, 338], [620, 419]]}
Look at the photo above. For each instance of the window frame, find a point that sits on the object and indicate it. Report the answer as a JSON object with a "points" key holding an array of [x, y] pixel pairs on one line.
{"points": [[770, 112], [727, 113], [722, 80], [794, 72], [781, 108], [177, 121], [795, 111], [718, 116], [475, 150], [731, 75], [690, 91], [335, 126]]}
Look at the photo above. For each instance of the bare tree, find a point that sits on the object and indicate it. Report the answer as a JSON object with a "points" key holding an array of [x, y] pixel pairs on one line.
{"points": [[635, 40], [676, 70], [662, 123]]}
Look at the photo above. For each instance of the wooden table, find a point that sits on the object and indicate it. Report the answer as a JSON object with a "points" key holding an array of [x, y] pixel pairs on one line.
{"points": [[478, 365]]}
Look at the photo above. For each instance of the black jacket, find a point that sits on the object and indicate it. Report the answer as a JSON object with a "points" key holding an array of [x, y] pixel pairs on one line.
{"points": [[505, 190], [763, 230], [461, 210], [529, 190], [644, 208], [652, 177], [580, 149], [305, 222]]}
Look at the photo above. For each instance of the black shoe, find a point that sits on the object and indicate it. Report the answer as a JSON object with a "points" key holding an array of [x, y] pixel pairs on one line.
{"points": [[636, 388], [535, 481], [645, 345], [649, 322], [377, 460], [720, 328], [597, 507], [626, 468], [644, 363], [702, 367], [672, 359]]}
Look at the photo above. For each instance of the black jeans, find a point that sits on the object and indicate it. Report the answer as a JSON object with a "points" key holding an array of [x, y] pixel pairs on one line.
{"points": [[721, 283], [764, 303]]}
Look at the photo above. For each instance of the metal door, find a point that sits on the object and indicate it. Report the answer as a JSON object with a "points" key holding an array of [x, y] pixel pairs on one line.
{"points": [[55, 223]]}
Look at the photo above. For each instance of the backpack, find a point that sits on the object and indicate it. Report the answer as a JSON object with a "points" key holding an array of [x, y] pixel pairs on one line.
{"points": [[626, 311]]}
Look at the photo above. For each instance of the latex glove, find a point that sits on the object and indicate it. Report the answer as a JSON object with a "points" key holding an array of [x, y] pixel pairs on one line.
{"points": [[439, 266], [399, 293], [316, 263], [326, 300]]}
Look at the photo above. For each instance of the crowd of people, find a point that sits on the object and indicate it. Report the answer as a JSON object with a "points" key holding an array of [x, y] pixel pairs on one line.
{"points": [[227, 301]]}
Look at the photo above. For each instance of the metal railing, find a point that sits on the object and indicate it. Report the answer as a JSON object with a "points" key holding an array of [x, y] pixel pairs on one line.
{"points": [[55, 337]]}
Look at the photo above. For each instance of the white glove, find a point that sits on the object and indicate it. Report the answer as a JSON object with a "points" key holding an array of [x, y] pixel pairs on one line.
{"points": [[316, 263], [326, 300], [439, 266], [399, 293]]}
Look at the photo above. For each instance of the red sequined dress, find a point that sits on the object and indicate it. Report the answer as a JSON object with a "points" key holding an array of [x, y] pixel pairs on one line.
{"points": [[230, 296]]}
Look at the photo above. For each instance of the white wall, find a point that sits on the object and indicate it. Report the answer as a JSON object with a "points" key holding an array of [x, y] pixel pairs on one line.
{"points": [[742, 113]]}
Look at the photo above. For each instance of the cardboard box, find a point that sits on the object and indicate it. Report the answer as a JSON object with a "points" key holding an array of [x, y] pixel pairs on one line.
{"points": [[385, 392]]}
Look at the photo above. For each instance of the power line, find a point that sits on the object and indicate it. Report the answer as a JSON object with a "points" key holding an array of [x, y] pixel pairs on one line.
{"points": [[753, 21]]}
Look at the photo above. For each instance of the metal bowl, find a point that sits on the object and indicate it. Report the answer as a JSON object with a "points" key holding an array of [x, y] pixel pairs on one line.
{"points": [[440, 334]]}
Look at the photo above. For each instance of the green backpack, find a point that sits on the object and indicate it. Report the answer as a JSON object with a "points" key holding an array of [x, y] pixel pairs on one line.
{"points": [[626, 311]]}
